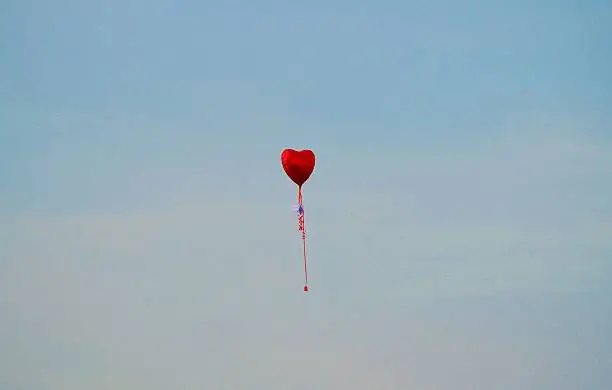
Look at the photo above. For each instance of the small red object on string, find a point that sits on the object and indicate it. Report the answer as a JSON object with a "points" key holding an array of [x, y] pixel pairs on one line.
{"points": [[299, 165]]}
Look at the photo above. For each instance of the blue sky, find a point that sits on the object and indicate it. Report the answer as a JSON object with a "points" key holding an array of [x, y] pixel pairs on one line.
{"points": [[459, 216]]}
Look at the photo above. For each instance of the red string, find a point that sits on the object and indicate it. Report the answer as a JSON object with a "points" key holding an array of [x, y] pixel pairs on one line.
{"points": [[303, 230]]}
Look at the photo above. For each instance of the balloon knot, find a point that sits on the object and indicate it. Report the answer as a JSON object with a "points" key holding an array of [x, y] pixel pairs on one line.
{"points": [[305, 288]]}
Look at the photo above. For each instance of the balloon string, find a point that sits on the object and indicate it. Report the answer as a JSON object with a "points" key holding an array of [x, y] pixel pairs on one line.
{"points": [[303, 230]]}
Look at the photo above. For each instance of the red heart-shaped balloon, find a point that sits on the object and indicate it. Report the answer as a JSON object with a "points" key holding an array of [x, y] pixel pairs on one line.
{"points": [[298, 165]]}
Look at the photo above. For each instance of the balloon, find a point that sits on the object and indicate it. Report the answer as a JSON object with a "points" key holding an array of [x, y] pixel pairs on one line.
{"points": [[299, 165]]}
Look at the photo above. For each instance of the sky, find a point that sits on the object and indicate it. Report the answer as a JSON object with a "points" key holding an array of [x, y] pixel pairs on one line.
{"points": [[459, 216]]}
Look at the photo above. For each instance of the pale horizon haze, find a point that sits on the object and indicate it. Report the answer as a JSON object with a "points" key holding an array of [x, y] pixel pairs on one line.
{"points": [[459, 218]]}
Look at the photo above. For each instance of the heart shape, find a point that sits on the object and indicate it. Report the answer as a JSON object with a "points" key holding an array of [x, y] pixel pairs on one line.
{"points": [[298, 164]]}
